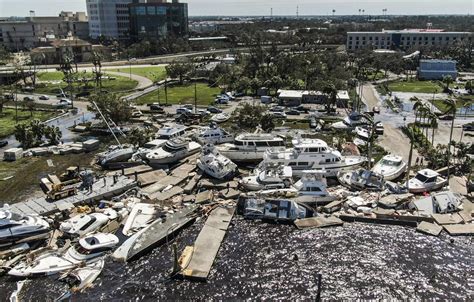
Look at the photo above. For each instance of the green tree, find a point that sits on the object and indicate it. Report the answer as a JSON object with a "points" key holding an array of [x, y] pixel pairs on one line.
{"points": [[111, 106], [31, 107], [24, 135], [267, 122], [469, 86], [330, 90], [139, 137], [249, 116], [448, 80], [53, 134], [179, 70]]}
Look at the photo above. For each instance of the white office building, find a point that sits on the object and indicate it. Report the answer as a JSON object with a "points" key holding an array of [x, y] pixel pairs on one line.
{"points": [[108, 18]]}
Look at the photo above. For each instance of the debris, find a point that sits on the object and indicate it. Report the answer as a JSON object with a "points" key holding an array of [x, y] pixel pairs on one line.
{"points": [[318, 222], [459, 229], [443, 219], [204, 197], [429, 228]]}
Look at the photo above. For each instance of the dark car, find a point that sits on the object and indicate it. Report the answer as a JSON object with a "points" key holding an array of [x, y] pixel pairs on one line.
{"points": [[157, 109], [468, 127], [28, 99], [446, 117], [212, 109], [8, 96], [3, 144], [302, 108], [293, 112]]}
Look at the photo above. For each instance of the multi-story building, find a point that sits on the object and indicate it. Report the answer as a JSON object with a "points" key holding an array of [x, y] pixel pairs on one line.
{"points": [[108, 18], [28, 32], [437, 69], [158, 19], [405, 39]]}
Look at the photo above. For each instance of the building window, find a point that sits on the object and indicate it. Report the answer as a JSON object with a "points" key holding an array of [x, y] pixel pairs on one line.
{"points": [[141, 10], [161, 10], [150, 10]]}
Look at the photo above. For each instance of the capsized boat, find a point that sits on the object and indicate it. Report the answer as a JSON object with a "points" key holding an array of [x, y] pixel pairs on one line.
{"points": [[141, 215], [268, 177], [215, 164], [83, 224], [390, 167], [426, 180], [220, 117], [85, 251], [21, 228], [173, 151], [278, 210], [214, 135], [362, 136], [362, 179]]}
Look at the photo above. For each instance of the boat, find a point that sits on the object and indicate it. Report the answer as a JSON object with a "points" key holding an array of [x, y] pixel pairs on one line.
{"points": [[154, 234], [173, 151], [313, 154], [115, 155], [268, 177], [83, 224], [86, 251], [83, 277], [438, 203], [220, 117], [140, 216], [213, 135], [362, 179], [426, 180], [362, 136], [350, 122], [275, 210], [16, 228], [312, 183], [251, 147], [390, 167], [215, 164]]}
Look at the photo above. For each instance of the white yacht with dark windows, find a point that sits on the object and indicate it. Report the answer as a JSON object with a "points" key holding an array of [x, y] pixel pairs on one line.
{"points": [[174, 150], [251, 147], [313, 154], [214, 135]]}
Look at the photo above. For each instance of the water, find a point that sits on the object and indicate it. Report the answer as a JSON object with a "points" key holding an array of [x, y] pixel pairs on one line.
{"points": [[279, 262]]}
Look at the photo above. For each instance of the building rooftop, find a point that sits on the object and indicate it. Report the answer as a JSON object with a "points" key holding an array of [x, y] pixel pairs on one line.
{"points": [[408, 31]]}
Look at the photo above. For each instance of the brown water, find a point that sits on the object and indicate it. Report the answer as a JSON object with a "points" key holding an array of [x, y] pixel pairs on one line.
{"points": [[278, 262]]}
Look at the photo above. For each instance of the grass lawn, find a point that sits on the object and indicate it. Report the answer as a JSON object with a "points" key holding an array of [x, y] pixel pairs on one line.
{"points": [[443, 107], [117, 85], [182, 95], [415, 86], [153, 73], [7, 119], [50, 76]]}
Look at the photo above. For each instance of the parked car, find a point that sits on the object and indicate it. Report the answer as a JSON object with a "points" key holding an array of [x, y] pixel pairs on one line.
{"points": [[302, 108], [213, 109], [83, 94], [44, 97], [203, 112], [28, 99], [188, 106], [137, 113], [3, 144], [8, 96], [183, 110], [293, 112], [279, 114], [276, 109], [157, 108], [446, 117], [221, 101], [64, 102], [468, 127], [62, 95]]}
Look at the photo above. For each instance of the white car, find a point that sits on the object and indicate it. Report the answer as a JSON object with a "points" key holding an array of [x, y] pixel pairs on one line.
{"points": [[44, 97], [64, 102], [279, 114], [183, 110]]}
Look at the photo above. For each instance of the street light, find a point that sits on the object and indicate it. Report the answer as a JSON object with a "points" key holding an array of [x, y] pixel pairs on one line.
{"points": [[452, 105]]}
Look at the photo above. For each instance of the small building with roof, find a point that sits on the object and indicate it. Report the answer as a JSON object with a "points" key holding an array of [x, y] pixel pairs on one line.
{"points": [[437, 69]]}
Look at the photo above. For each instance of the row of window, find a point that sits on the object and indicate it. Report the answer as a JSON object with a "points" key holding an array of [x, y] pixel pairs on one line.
{"points": [[261, 144]]}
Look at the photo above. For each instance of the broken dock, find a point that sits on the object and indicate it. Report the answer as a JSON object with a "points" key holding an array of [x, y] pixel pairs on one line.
{"points": [[196, 261]]}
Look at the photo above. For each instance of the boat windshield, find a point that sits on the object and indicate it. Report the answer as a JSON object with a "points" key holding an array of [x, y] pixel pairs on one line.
{"points": [[390, 163], [422, 177], [164, 136], [171, 150]]}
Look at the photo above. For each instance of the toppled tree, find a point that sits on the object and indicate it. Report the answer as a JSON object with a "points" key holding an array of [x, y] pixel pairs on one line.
{"points": [[139, 137], [32, 134], [112, 107]]}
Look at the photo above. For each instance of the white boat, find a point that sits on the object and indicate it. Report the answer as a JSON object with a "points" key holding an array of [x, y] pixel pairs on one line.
{"points": [[141, 215], [213, 135], [426, 180], [86, 251], [390, 167], [350, 122], [313, 154], [215, 164], [117, 154], [362, 179], [83, 224], [268, 177], [312, 183], [83, 277], [15, 227], [251, 147], [173, 151], [279, 210], [220, 117], [362, 136]]}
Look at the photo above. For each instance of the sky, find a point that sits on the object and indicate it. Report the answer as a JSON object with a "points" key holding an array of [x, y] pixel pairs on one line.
{"points": [[262, 7]]}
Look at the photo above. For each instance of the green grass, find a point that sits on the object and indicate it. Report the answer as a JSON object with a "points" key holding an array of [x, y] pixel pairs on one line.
{"points": [[415, 86], [8, 123], [442, 106], [119, 84], [50, 76], [182, 95], [153, 73]]}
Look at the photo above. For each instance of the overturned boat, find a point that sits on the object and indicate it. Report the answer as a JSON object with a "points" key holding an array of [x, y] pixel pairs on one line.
{"points": [[426, 180], [362, 179], [215, 164], [141, 215], [115, 155], [220, 117], [390, 167], [268, 177], [275, 210], [16, 228]]}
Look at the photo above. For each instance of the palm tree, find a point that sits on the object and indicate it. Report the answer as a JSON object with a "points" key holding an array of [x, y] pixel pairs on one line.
{"points": [[469, 86], [416, 107], [451, 109], [448, 80], [331, 91]]}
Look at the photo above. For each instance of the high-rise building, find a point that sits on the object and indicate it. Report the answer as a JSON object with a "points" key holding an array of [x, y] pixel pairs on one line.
{"points": [[18, 33], [158, 19], [108, 18]]}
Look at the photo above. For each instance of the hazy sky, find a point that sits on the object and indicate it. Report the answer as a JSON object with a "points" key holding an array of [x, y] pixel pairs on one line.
{"points": [[262, 7]]}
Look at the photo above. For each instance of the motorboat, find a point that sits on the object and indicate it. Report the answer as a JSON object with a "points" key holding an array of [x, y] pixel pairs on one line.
{"points": [[83, 224], [426, 180], [313, 154], [268, 177], [16, 228], [173, 151], [390, 167], [141, 215], [215, 164], [276, 210], [438, 203], [84, 252], [350, 122], [116, 154], [220, 117], [362, 136], [312, 183], [362, 179], [83, 277], [214, 135], [251, 147]]}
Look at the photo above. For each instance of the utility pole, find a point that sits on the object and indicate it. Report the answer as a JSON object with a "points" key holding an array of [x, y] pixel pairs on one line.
{"points": [[166, 91], [297, 12], [195, 97]]}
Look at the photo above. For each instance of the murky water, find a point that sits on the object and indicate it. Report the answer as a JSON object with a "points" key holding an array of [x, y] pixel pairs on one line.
{"points": [[265, 261]]}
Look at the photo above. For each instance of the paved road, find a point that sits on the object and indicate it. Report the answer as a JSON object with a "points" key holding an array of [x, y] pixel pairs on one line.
{"points": [[142, 81]]}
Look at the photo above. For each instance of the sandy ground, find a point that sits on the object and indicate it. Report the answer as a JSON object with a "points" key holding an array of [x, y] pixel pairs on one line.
{"points": [[395, 142]]}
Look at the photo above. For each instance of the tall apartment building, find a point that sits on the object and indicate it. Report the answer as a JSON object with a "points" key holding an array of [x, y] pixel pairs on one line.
{"points": [[404, 39], [18, 33], [158, 18], [108, 18]]}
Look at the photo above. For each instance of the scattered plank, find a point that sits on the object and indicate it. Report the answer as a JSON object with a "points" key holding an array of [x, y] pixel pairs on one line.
{"points": [[459, 229], [318, 222], [429, 228], [443, 219]]}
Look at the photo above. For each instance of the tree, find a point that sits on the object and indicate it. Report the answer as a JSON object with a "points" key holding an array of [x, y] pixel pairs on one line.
{"points": [[267, 123], [97, 71], [330, 90], [469, 86], [179, 70], [24, 135], [112, 107], [31, 107], [139, 137], [53, 134], [250, 116], [448, 80], [70, 76]]}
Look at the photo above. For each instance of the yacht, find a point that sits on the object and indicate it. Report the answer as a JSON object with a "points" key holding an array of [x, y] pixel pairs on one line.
{"points": [[15, 227], [214, 135], [174, 150], [362, 136], [312, 183], [141, 215], [215, 164], [251, 147], [362, 179], [86, 251], [221, 117], [390, 167], [116, 154], [83, 224], [268, 177], [313, 154], [277, 210], [426, 180]]}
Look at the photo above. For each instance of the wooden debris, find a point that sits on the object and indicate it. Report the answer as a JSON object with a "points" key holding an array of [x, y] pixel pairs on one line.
{"points": [[429, 228], [318, 222]]}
